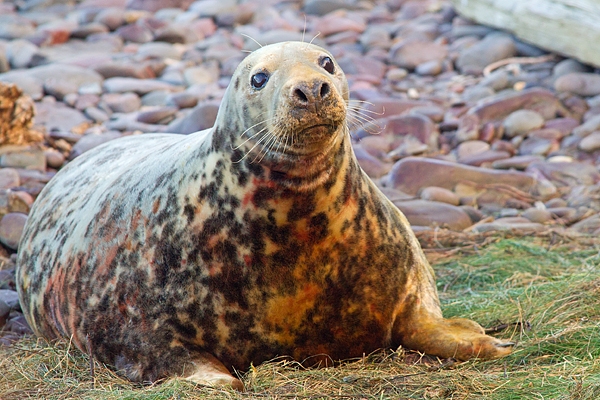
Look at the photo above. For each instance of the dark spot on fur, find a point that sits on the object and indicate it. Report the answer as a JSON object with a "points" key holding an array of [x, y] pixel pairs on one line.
{"points": [[319, 226], [185, 329], [188, 210]]}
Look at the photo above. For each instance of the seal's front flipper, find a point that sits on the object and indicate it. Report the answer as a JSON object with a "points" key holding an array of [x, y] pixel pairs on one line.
{"points": [[458, 338], [207, 370]]}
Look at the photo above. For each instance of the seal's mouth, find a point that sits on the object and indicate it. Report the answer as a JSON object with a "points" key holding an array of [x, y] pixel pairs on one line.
{"points": [[317, 133]]}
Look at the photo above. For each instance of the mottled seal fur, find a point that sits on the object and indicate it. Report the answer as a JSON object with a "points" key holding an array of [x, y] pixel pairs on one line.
{"points": [[190, 255]]}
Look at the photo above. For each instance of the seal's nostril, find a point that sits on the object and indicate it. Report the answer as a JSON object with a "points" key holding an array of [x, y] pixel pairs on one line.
{"points": [[300, 94], [324, 90]]}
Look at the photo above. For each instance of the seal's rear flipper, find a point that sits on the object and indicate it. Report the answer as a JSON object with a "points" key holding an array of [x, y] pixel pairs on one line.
{"points": [[458, 338], [207, 370]]}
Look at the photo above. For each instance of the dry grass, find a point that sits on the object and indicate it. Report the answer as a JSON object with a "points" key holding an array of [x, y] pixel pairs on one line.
{"points": [[552, 289]]}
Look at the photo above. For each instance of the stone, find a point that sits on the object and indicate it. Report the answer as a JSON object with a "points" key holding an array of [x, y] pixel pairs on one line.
{"points": [[473, 94], [589, 126], [568, 66], [493, 47], [11, 229], [590, 143], [83, 31], [556, 202], [58, 117], [566, 173], [135, 33], [322, 7], [20, 53], [430, 68], [111, 17], [434, 193], [18, 325], [536, 215], [580, 83], [122, 102], [471, 147], [75, 75], [373, 166], [339, 22], [498, 225], [473, 213], [203, 74], [589, 225], [157, 98], [433, 213], [501, 105], [566, 215], [516, 162], [212, 8], [81, 101], [174, 33], [522, 121], [536, 145], [9, 178], [10, 298], [30, 158], [129, 123], [97, 115], [156, 5], [59, 89], [412, 173], [364, 69], [181, 100], [89, 141], [546, 133], [564, 125], [416, 125], [410, 54], [4, 312], [496, 80], [159, 50], [201, 117], [15, 27], [19, 201], [139, 86], [376, 36], [28, 84], [4, 64], [111, 69], [160, 115], [54, 158], [484, 158], [408, 146]]}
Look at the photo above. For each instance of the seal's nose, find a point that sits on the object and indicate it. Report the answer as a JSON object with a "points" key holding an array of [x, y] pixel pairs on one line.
{"points": [[305, 93]]}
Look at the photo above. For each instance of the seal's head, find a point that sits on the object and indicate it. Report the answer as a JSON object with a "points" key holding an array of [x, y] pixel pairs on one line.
{"points": [[290, 101]]}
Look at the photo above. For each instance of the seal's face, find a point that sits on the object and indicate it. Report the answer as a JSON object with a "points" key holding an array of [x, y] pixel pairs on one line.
{"points": [[299, 98]]}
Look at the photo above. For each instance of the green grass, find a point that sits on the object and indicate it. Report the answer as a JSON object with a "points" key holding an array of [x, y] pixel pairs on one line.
{"points": [[549, 296]]}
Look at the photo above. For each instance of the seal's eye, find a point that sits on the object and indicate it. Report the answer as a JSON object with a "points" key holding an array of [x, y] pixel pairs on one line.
{"points": [[259, 80], [327, 64]]}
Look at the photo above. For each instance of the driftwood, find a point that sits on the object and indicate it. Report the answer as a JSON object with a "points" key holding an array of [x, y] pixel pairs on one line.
{"points": [[567, 27]]}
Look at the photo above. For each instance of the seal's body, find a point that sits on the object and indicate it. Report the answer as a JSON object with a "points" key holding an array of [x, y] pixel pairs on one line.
{"points": [[173, 255]]}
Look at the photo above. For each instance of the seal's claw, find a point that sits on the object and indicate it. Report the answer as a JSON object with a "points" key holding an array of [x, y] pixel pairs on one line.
{"points": [[506, 344]]}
